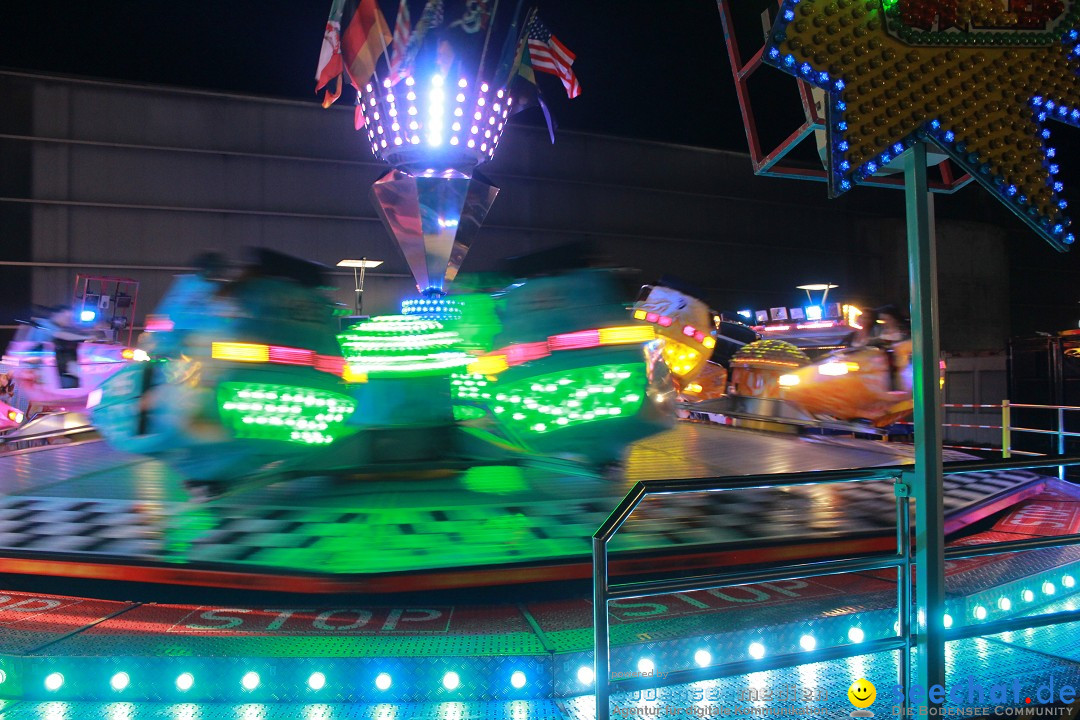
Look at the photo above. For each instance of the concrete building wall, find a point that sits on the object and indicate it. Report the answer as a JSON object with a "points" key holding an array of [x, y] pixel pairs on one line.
{"points": [[135, 180]]}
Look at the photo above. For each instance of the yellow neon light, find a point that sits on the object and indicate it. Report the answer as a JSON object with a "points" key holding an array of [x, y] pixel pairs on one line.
{"points": [[349, 375], [488, 365], [626, 334], [709, 342], [240, 352], [640, 314]]}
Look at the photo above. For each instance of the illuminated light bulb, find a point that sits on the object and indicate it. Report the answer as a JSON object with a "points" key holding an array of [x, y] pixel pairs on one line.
{"points": [[184, 682], [451, 680], [979, 612], [1048, 588], [54, 681], [250, 681], [316, 681], [645, 665], [947, 620], [856, 635], [383, 681], [807, 642], [585, 675], [756, 650], [1004, 603], [119, 681], [703, 658], [517, 679], [1068, 581]]}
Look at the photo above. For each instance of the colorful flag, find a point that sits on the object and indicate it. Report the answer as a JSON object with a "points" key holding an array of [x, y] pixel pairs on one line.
{"points": [[402, 32], [363, 39], [525, 91], [330, 65], [551, 56], [431, 17]]}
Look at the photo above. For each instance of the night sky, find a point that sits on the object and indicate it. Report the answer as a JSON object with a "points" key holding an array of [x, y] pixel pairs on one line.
{"points": [[633, 57]]}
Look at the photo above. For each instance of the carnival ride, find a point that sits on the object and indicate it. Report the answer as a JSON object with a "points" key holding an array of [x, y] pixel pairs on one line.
{"points": [[404, 385], [58, 359], [251, 372]]}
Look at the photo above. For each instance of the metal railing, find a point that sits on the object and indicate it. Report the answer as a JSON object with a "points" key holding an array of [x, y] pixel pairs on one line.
{"points": [[901, 558], [1007, 428]]}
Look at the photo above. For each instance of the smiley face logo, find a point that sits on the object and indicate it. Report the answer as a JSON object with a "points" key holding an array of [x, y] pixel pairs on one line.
{"points": [[862, 693]]}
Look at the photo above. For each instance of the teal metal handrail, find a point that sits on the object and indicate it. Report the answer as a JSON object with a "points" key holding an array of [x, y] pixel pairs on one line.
{"points": [[604, 591]]}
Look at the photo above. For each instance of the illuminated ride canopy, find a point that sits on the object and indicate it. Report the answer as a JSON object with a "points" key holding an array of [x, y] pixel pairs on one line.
{"points": [[981, 79]]}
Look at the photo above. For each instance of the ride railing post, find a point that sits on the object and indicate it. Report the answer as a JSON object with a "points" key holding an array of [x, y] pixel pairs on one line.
{"points": [[1006, 430], [601, 630], [1061, 440], [902, 490]]}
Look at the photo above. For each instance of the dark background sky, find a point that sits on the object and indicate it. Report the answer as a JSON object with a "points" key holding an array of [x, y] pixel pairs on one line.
{"points": [[633, 57]]}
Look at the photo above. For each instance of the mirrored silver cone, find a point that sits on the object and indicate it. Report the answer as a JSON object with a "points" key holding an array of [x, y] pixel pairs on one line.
{"points": [[434, 218]]}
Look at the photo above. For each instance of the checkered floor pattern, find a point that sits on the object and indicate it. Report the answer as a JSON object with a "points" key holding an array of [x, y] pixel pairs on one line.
{"points": [[89, 502]]}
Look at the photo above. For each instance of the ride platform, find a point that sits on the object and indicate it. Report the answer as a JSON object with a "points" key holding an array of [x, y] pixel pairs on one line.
{"points": [[67, 657], [85, 510]]}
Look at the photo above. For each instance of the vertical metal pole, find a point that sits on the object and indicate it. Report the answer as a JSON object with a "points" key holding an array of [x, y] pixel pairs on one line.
{"points": [[1006, 430], [601, 639], [927, 485], [356, 289], [1061, 441], [902, 489], [360, 288]]}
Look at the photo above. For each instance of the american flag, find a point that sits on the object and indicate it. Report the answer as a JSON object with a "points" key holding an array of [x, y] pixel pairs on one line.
{"points": [[551, 56], [402, 32]]}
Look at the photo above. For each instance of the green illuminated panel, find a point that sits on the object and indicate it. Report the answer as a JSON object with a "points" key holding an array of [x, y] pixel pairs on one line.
{"points": [[550, 402], [283, 412], [401, 345]]}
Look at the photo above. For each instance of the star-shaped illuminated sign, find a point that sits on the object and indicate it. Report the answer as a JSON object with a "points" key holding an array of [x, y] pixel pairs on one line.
{"points": [[982, 78]]}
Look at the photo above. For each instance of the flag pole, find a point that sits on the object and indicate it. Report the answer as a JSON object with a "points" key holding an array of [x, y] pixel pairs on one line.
{"points": [[511, 36], [385, 52], [487, 37]]}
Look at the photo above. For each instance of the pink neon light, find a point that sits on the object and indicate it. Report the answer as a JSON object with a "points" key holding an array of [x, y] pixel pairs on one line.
{"points": [[159, 324], [575, 340], [699, 336], [330, 364], [524, 352], [777, 328], [652, 317], [665, 321], [688, 330], [291, 356], [815, 325]]}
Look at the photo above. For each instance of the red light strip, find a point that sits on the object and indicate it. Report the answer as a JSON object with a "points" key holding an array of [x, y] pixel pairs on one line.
{"points": [[523, 353], [575, 340], [291, 356]]}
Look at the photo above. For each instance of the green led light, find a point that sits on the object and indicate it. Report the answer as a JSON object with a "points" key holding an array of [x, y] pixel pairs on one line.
{"points": [[283, 412], [468, 412], [551, 402], [401, 345]]}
